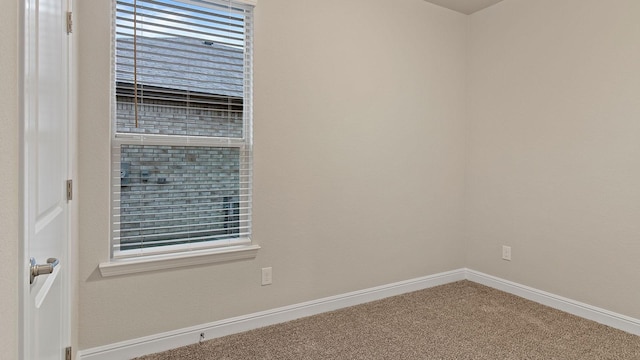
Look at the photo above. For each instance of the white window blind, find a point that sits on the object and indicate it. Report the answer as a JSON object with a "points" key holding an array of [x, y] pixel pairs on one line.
{"points": [[182, 135]]}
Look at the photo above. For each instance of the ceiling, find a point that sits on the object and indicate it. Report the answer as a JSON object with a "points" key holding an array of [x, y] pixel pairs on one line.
{"points": [[465, 6]]}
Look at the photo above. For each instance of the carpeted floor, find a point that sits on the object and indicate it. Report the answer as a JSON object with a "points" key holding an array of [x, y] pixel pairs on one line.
{"points": [[462, 320]]}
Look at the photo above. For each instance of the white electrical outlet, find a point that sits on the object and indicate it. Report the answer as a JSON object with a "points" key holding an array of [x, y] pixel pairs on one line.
{"points": [[267, 278], [506, 252]]}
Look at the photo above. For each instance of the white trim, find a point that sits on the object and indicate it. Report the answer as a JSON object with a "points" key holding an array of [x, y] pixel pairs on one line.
{"points": [[168, 261], [173, 250], [176, 140], [187, 336], [599, 315], [173, 339]]}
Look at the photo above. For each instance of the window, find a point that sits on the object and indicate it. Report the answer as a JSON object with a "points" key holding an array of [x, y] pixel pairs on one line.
{"points": [[182, 127]]}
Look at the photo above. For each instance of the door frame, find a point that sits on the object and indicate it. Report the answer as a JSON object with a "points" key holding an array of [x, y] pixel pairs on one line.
{"points": [[69, 336]]}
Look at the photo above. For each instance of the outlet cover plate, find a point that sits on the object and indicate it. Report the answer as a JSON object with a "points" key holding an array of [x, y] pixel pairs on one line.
{"points": [[267, 276], [506, 252]]}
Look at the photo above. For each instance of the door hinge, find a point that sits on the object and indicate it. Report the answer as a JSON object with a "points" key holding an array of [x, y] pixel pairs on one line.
{"points": [[67, 353], [69, 22], [69, 190]]}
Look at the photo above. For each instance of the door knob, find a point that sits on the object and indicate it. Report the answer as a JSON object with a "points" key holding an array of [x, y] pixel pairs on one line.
{"points": [[42, 269]]}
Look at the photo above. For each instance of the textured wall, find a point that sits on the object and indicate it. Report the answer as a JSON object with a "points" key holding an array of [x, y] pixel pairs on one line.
{"points": [[359, 155], [553, 169], [9, 179]]}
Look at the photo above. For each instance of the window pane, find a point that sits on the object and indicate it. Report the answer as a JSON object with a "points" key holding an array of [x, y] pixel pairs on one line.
{"points": [[183, 80], [180, 67], [178, 194]]}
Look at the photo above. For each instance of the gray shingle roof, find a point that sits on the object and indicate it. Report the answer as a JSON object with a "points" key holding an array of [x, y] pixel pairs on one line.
{"points": [[183, 64]]}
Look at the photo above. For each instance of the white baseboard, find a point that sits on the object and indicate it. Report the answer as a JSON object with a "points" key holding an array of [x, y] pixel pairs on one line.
{"points": [[602, 316], [191, 335], [173, 339]]}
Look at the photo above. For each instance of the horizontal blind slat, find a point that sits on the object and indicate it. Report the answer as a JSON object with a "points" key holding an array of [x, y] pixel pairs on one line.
{"points": [[180, 235], [233, 11], [194, 45], [174, 77], [144, 17], [186, 218], [225, 66], [178, 240]]}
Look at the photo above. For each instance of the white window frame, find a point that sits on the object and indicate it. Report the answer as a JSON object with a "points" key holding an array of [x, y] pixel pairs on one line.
{"points": [[170, 256]]}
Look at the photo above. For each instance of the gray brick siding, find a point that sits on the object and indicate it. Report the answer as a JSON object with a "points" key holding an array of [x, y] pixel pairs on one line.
{"points": [[192, 192], [164, 117]]}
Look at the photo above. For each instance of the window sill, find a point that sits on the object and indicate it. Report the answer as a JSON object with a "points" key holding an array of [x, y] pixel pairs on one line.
{"points": [[169, 261]]}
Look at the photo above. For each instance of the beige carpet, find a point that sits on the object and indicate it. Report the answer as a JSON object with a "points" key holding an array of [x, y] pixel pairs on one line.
{"points": [[462, 320]]}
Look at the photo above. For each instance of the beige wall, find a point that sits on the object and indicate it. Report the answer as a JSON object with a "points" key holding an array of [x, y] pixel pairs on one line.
{"points": [[9, 224], [359, 164], [554, 167]]}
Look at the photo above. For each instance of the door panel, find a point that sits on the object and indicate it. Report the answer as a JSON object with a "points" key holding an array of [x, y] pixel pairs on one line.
{"points": [[46, 159]]}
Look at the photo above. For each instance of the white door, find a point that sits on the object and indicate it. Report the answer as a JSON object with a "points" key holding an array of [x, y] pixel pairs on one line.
{"points": [[45, 166]]}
